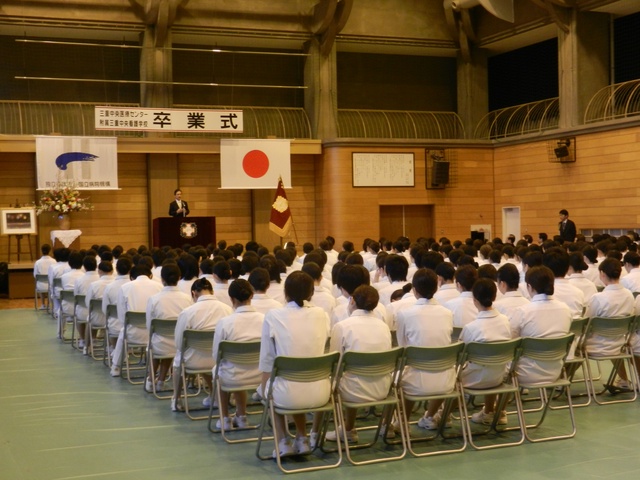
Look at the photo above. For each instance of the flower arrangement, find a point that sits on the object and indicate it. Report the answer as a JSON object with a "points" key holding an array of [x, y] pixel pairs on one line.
{"points": [[62, 200]]}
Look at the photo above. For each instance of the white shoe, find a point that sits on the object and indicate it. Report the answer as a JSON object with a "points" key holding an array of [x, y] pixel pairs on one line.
{"points": [[301, 445], [148, 385], [313, 440], [240, 421], [81, 344], [621, 384], [352, 436], [176, 404], [487, 418], [161, 387], [115, 371], [228, 424], [206, 402], [428, 423], [285, 448]]}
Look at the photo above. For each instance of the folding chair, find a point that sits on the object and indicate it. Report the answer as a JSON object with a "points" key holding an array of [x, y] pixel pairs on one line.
{"points": [[65, 319], [166, 328], [112, 312], [299, 369], [577, 362], [200, 342], [137, 320], [493, 354], [433, 360], [75, 339], [547, 350], [616, 329], [246, 354], [43, 292], [56, 288], [372, 365], [95, 309]]}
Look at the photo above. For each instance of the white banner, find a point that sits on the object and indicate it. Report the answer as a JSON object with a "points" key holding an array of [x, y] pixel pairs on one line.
{"points": [[255, 164], [88, 163], [168, 119]]}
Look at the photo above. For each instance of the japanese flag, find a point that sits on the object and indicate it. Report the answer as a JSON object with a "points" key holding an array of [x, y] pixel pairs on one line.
{"points": [[255, 164]]}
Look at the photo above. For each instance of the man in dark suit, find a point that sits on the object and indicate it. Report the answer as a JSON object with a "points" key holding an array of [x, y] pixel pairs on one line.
{"points": [[567, 227], [178, 208]]}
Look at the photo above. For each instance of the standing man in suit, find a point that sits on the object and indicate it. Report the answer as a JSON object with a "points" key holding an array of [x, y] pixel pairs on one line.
{"points": [[567, 227], [178, 208]]}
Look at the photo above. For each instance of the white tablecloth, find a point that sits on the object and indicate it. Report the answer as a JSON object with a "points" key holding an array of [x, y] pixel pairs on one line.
{"points": [[66, 237]]}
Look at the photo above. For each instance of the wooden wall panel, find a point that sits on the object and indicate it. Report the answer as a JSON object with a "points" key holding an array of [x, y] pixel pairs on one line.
{"points": [[349, 213], [17, 182], [600, 190]]}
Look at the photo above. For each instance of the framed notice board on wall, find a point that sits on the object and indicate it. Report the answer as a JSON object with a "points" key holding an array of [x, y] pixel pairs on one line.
{"points": [[383, 169]]}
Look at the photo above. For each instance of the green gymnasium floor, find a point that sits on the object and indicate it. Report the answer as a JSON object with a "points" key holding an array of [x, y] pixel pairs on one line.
{"points": [[63, 417]]}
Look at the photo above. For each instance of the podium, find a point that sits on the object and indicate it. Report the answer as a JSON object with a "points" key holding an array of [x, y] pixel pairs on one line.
{"points": [[176, 231]]}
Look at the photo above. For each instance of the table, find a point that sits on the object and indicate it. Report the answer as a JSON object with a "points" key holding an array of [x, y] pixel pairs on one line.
{"points": [[65, 237]]}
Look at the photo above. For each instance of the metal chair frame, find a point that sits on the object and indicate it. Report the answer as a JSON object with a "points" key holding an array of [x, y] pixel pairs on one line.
{"points": [[433, 359], [162, 327], [139, 320], [300, 369], [494, 354]]}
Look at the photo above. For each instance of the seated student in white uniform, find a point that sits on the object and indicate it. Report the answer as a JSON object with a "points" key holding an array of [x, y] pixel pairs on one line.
{"points": [[221, 277], [81, 287], [447, 290], [61, 256], [133, 297], [189, 272], [490, 272], [204, 314], [613, 301], [350, 278], [41, 267], [464, 307], [96, 292], [167, 304], [296, 330], [508, 284], [489, 326], [543, 317], [110, 297], [322, 297], [69, 280], [557, 259], [361, 332], [632, 265], [395, 267], [425, 324], [591, 259], [320, 257], [243, 325], [576, 277], [276, 287], [260, 282]]}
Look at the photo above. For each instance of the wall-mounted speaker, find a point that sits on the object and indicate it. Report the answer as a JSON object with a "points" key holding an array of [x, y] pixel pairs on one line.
{"points": [[439, 173]]}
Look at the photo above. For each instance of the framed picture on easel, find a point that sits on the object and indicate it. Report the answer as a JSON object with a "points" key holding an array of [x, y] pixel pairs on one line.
{"points": [[18, 221]]}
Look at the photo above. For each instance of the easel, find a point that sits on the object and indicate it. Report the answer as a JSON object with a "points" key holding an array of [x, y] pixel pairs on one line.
{"points": [[18, 240]]}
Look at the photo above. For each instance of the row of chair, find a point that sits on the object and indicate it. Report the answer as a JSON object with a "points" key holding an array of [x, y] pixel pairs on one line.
{"points": [[392, 363]]}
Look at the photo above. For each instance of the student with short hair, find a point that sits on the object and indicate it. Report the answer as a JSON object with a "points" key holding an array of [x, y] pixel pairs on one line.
{"points": [[463, 307], [425, 324], [489, 326], [243, 325], [297, 330], [361, 332], [41, 267]]}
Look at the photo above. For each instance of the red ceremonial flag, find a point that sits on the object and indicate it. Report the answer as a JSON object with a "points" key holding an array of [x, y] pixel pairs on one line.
{"points": [[280, 222]]}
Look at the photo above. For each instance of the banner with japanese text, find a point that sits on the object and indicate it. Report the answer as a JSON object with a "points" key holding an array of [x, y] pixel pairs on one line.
{"points": [[87, 163], [168, 119]]}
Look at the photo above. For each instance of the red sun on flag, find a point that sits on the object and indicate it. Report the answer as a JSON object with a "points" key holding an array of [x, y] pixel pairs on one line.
{"points": [[255, 163]]}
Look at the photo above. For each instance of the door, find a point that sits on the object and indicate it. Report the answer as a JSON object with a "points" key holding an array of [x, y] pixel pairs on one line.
{"points": [[510, 222], [412, 221]]}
